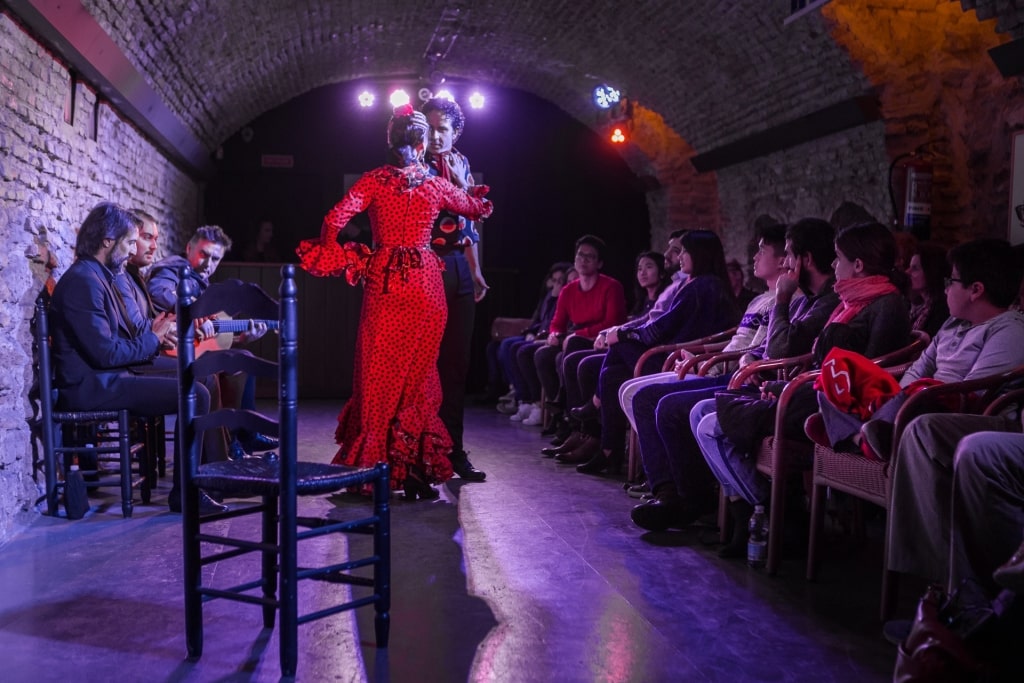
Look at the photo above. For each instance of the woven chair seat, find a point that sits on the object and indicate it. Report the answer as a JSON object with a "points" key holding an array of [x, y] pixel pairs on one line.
{"points": [[85, 415], [258, 476], [852, 473], [798, 455]]}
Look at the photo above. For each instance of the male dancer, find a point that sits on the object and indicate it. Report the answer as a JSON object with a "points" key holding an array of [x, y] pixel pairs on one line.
{"points": [[455, 240]]}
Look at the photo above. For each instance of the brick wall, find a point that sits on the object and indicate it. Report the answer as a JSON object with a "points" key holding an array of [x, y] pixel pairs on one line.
{"points": [[53, 173]]}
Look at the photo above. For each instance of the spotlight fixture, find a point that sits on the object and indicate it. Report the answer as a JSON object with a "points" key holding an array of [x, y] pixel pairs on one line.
{"points": [[606, 96], [476, 100], [398, 98], [366, 99], [424, 94], [445, 94], [618, 137]]}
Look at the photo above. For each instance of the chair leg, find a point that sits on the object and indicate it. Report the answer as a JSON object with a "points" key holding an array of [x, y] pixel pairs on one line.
{"points": [[193, 574], [633, 466], [382, 549], [288, 597], [775, 520], [723, 518], [817, 522], [125, 452], [270, 576]]}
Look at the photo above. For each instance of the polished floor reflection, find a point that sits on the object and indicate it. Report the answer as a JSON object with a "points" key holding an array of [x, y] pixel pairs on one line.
{"points": [[535, 575]]}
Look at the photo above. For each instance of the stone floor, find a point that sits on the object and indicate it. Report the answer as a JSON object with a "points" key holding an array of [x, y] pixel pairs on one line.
{"points": [[536, 575]]}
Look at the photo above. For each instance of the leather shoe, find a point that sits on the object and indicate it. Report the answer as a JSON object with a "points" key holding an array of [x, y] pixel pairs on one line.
{"points": [[256, 442], [587, 411], [567, 446], [1011, 573], [659, 514], [464, 468], [601, 462], [208, 505], [590, 447]]}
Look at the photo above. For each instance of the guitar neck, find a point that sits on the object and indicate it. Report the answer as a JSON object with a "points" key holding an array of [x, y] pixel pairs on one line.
{"points": [[239, 326]]}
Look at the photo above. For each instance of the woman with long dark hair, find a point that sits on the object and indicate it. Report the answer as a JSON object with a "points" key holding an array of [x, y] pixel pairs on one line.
{"points": [[392, 415], [927, 273], [701, 307]]}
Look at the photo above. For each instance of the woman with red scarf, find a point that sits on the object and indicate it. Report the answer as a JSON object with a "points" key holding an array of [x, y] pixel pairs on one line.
{"points": [[392, 415], [871, 319]]}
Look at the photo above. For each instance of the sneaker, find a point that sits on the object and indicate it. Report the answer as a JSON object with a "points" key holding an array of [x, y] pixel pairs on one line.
{"points": [[535, 417], [522, 413]]}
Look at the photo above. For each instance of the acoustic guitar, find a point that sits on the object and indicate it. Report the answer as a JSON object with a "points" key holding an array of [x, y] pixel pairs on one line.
{"points": [[224, 329]]}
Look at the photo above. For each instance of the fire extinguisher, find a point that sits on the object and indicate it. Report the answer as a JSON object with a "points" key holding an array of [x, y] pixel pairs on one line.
{"points": [[910, 190]]}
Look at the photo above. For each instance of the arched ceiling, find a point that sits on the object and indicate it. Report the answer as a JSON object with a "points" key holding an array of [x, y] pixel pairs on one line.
{"points": [[711, 70]]}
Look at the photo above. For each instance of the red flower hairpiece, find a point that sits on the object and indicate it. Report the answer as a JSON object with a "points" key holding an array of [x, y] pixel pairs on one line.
{"points": [[404, 110]]}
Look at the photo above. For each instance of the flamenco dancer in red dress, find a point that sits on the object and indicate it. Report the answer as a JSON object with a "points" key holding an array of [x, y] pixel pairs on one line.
{"points": [[392, 415]]}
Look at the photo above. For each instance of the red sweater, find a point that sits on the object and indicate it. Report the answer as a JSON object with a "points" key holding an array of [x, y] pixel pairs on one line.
{"points": [[602, 306]]}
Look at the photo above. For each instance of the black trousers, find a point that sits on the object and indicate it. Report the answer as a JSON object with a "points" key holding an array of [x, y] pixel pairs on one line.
{"points": [[453, 359]]}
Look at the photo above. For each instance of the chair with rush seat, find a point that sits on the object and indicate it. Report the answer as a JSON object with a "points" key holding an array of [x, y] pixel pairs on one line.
{"points": [[278, 482]]}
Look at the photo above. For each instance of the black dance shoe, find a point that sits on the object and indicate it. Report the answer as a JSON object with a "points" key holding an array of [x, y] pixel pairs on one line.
{"points": [[464, 468], [417, 488]]}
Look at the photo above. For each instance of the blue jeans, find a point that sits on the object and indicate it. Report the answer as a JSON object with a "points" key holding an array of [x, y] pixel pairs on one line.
{"points": [[735, 470], [669, 452]]}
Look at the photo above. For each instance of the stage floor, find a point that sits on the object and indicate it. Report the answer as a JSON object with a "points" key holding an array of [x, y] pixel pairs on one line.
{"points": [[536, 574]]}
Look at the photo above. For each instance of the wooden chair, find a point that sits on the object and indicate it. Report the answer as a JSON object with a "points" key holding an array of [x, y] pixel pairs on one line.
{"points": [[871, 480], [687, 352], [100, 436], [278, 482], [778, 456]]}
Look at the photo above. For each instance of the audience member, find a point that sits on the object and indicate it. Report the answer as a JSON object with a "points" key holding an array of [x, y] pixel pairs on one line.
{"points": [[741, 294], [586, 364], [981, 338], [794, 323], [672, 462], [871, 319], [590, 304], [507, 367], [701, 307], [927, 275]]}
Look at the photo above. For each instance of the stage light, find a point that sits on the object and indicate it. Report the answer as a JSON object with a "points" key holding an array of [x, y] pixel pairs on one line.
{"points": [[606, 96], [617, 136], [366, 99], [398, 98], [445, 94], [476, 100]]}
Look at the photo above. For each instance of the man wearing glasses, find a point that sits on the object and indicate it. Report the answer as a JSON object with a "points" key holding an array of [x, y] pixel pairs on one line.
{"points": [[592, 303]]}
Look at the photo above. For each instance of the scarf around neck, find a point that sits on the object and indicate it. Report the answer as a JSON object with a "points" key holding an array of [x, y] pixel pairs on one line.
{"points": [[856, 293]]}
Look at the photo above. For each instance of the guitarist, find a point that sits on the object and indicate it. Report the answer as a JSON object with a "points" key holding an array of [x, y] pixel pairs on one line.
{"points": [[204, 253]]}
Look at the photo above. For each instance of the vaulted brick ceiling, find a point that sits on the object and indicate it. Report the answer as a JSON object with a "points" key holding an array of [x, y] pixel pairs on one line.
{"points": [[710, 69], [710, 72]]}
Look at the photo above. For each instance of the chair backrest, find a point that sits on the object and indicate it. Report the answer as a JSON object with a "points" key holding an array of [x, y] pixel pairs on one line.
{"points": [[240, 301]]}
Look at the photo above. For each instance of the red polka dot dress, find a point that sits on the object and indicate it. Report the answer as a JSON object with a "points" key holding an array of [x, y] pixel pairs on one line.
{"points": [[392, 415]]}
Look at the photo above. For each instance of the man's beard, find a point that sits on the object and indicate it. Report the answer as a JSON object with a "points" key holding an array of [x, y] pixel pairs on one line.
{"points": [[116, 265]]}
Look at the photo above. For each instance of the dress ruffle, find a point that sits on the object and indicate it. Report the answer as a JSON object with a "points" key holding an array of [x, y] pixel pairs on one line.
{"points": [[331, 259], [428, 451]]}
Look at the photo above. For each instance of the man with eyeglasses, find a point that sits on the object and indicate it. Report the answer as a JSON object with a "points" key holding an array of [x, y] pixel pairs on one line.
{"points": [[982, 337], [592, 303]]}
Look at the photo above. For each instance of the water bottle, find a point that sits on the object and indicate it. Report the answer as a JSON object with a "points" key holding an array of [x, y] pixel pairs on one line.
{"points": [[757, 541]]}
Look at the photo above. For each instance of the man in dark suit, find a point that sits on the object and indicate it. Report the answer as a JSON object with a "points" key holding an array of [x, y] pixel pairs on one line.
{"points": [[103, 360]]}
